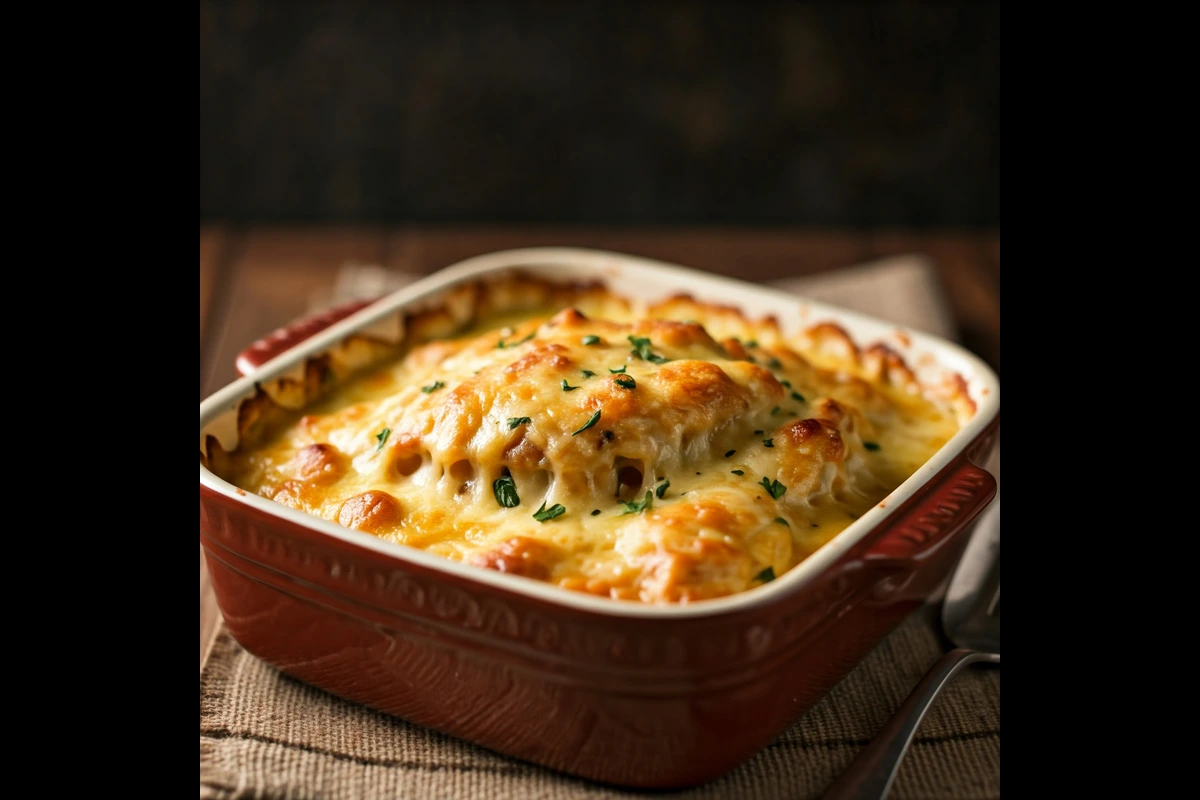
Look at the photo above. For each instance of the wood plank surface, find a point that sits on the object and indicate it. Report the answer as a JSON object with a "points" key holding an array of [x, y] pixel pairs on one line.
{"points": [[256, 280], [211, 239]]}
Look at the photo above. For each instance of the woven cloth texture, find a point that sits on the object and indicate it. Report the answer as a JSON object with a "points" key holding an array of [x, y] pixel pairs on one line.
{"points": [[264, 735]]}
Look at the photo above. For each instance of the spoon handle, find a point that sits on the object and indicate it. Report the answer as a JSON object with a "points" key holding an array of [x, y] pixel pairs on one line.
{"points": [[870, 774]]}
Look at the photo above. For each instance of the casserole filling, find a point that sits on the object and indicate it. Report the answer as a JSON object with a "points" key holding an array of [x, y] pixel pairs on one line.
{"points": [[662, 454]]}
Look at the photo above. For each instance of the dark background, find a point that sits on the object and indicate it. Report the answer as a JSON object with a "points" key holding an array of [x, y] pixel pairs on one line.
{"points": [[846, 114]]}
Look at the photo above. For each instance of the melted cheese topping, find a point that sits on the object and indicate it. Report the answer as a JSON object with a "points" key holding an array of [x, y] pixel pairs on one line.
{"points": [[667, 466]]}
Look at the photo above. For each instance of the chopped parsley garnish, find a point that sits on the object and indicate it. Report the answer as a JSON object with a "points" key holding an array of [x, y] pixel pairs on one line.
{"points": [[590, 340], [729, 453], [775, 410], [595, 512], [774, 488], [782, 521], [788, 384], [587, 373], [567, 388], [626, 382], [642, 505], [433, 387], [799, 398], [775, 363], [768, 442], [661, 489], [620, 371], [515, 421], [592, 421], [381, 437], [871, 445], [641, 349], [752, 343], [543, 514], [737, 472], [766, 576], [500, 345], [505, 489], [759, 433]]}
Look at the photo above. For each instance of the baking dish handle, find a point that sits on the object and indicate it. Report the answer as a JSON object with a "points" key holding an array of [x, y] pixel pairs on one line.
{"points": [[945, 510], [294, 333]]}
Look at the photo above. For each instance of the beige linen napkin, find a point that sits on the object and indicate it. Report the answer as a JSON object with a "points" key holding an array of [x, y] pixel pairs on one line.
{"points": [[264, 735]]}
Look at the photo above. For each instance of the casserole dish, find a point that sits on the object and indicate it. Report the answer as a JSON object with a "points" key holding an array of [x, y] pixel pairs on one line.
{"points": [[647, 696]]}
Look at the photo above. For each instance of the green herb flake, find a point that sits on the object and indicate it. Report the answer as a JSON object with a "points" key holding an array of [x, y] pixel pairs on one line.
{"points": [[620, 371], [433, 387], [500, 345], [774, 488], [544, 514], [783, 521], [729, 453], [661, 489], [566, 387], [752, 343], [626, 382], [788, 384], [799, 398], [737, 472], [381, 437], [587, 373], [642, 505], [595, 512], [590, 340], [775, 411], [766, 576], [872, 446], [514, 422], [641, 349], [592, 421], [775, 363], [505, 489], [768, 442], [759, 433]]}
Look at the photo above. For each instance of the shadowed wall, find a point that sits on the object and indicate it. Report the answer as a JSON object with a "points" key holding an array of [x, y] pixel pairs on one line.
{"points": [[850, 114]]}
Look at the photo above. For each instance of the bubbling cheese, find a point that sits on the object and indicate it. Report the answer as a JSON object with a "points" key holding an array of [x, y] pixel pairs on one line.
{"points": [[664, 455]]}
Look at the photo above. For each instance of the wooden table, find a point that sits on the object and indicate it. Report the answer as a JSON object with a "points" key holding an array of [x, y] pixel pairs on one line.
{"points": [[253, 280]]}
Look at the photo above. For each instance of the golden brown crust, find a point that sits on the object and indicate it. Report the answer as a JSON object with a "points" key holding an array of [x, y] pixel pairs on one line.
{"points": [[670, 454], [519, 555], [372, 511], [320, 464]]}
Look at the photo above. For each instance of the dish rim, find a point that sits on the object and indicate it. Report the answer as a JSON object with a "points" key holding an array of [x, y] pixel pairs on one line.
{"points": [[983, 381]]}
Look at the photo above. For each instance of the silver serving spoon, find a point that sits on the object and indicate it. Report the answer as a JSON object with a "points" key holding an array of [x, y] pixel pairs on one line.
{"points": [[971, 620]]}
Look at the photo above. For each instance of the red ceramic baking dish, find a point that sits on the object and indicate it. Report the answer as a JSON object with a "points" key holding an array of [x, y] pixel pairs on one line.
{"points": [[620, 692]]}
